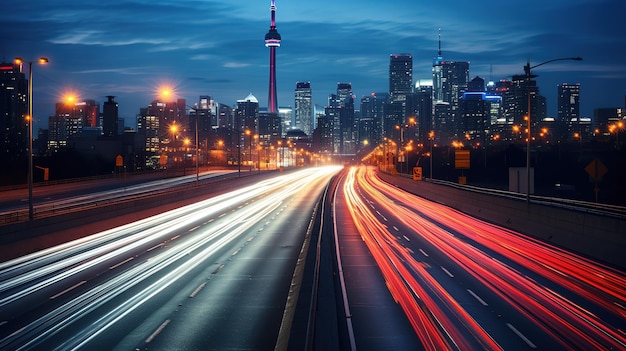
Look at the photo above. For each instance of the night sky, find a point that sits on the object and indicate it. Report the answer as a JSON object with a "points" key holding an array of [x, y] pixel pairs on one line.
{"points": [[132, 48]]}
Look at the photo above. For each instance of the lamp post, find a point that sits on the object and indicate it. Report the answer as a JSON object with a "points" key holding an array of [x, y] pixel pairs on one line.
{"points": [[249, 134], [30, 119], [527, 69], [431, 136]]}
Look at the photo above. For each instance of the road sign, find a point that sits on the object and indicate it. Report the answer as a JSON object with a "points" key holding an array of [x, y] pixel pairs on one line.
{"points": [[417, 173], [119, 161], [461, 159], [596, 169]]}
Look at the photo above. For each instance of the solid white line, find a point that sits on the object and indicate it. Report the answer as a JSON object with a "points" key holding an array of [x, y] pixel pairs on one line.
{"points": [[477, 297], [68, 289], [423, 253], [447, 272], [156, 332], [530, 343]]}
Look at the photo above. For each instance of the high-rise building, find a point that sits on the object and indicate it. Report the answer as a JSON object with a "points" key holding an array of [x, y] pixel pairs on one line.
{"points": [[424, 109], [13, 108], [515, 103], [285, 114], [343, 131], [400, 75], [247, 115], [455, 77], [304, 107], [437, 75], [110, 117], [272, 41], [568, 113], [400, 87]]}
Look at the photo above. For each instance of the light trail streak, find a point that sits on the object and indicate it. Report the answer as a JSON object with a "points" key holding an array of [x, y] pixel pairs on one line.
{"points": [[564, 320], [432, 325], [92, 255]]}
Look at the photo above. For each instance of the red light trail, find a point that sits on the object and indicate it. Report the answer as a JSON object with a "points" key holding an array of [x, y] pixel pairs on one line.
{"points": [[511, 265]]}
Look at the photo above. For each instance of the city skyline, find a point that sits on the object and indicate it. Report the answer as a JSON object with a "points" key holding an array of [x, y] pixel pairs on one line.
{"points": [[215, 48]]}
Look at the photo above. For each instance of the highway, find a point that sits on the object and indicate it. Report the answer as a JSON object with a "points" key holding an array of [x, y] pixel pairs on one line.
{"points": [[465, 284], [213, 275]]}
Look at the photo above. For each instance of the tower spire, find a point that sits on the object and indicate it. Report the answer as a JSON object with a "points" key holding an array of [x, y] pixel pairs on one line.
{"points": [[272, 41], [439, 52]]}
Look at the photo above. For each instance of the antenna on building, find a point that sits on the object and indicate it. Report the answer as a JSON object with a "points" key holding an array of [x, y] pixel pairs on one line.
{"points": [[439, 52]]}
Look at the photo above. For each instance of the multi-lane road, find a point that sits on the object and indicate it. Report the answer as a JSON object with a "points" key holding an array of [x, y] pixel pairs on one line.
{"points": [[211, 275], [465, 284], [408, 274]]}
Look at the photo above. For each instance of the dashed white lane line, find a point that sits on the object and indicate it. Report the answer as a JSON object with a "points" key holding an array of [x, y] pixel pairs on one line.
{"points": [[482, 302], [423, 252], [522, 336], [195, 292], [68, 289], [156, 332], [447, 272], [407, 239]]}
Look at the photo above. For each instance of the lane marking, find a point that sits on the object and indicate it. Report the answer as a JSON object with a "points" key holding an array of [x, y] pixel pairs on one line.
{"points": [[218, 269], [396, 228], [447, 272], [176, 237], [222, 215], [68, 289], [195, 292], [477, 297], [236, 252], [121, 263], [156, 332], [154, 247], [530, 343], [423, 253], [407, 239], [194, 228]]}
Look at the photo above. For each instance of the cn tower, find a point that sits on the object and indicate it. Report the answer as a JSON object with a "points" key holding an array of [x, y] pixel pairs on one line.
{"points": [[272, 41]]}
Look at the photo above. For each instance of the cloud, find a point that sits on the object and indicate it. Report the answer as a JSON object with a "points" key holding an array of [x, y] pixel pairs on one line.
{"points": [[235, 65]]}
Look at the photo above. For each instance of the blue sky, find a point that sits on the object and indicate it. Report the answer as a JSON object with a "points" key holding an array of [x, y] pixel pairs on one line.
{"points": [[131, 48]]}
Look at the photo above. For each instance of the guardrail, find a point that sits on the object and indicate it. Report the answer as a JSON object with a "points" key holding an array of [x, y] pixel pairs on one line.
{"points": [[576, 205], [55, 209]]}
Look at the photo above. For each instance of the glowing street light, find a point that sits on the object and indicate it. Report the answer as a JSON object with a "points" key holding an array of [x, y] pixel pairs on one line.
{"points": [[30, 119]]}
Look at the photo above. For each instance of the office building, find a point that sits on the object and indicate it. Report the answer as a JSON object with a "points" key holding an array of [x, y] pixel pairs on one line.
{"points": [[13, 108], [303, 107], [568, 112]]}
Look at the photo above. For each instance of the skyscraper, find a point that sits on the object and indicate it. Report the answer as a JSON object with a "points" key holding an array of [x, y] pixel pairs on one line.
{"points": [[568, 112], [110, 117], [400, 87], [272, 41], [13, 108], [304, 107]]}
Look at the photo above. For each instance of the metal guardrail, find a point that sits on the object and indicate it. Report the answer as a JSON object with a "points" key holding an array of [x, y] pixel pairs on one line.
{"points": [[575, 205], [54, 209]]}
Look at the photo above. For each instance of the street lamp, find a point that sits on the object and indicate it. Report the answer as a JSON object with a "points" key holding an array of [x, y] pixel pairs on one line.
{"points": [[527, 69], [249, 134], [431, 136], [30, 119]]}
